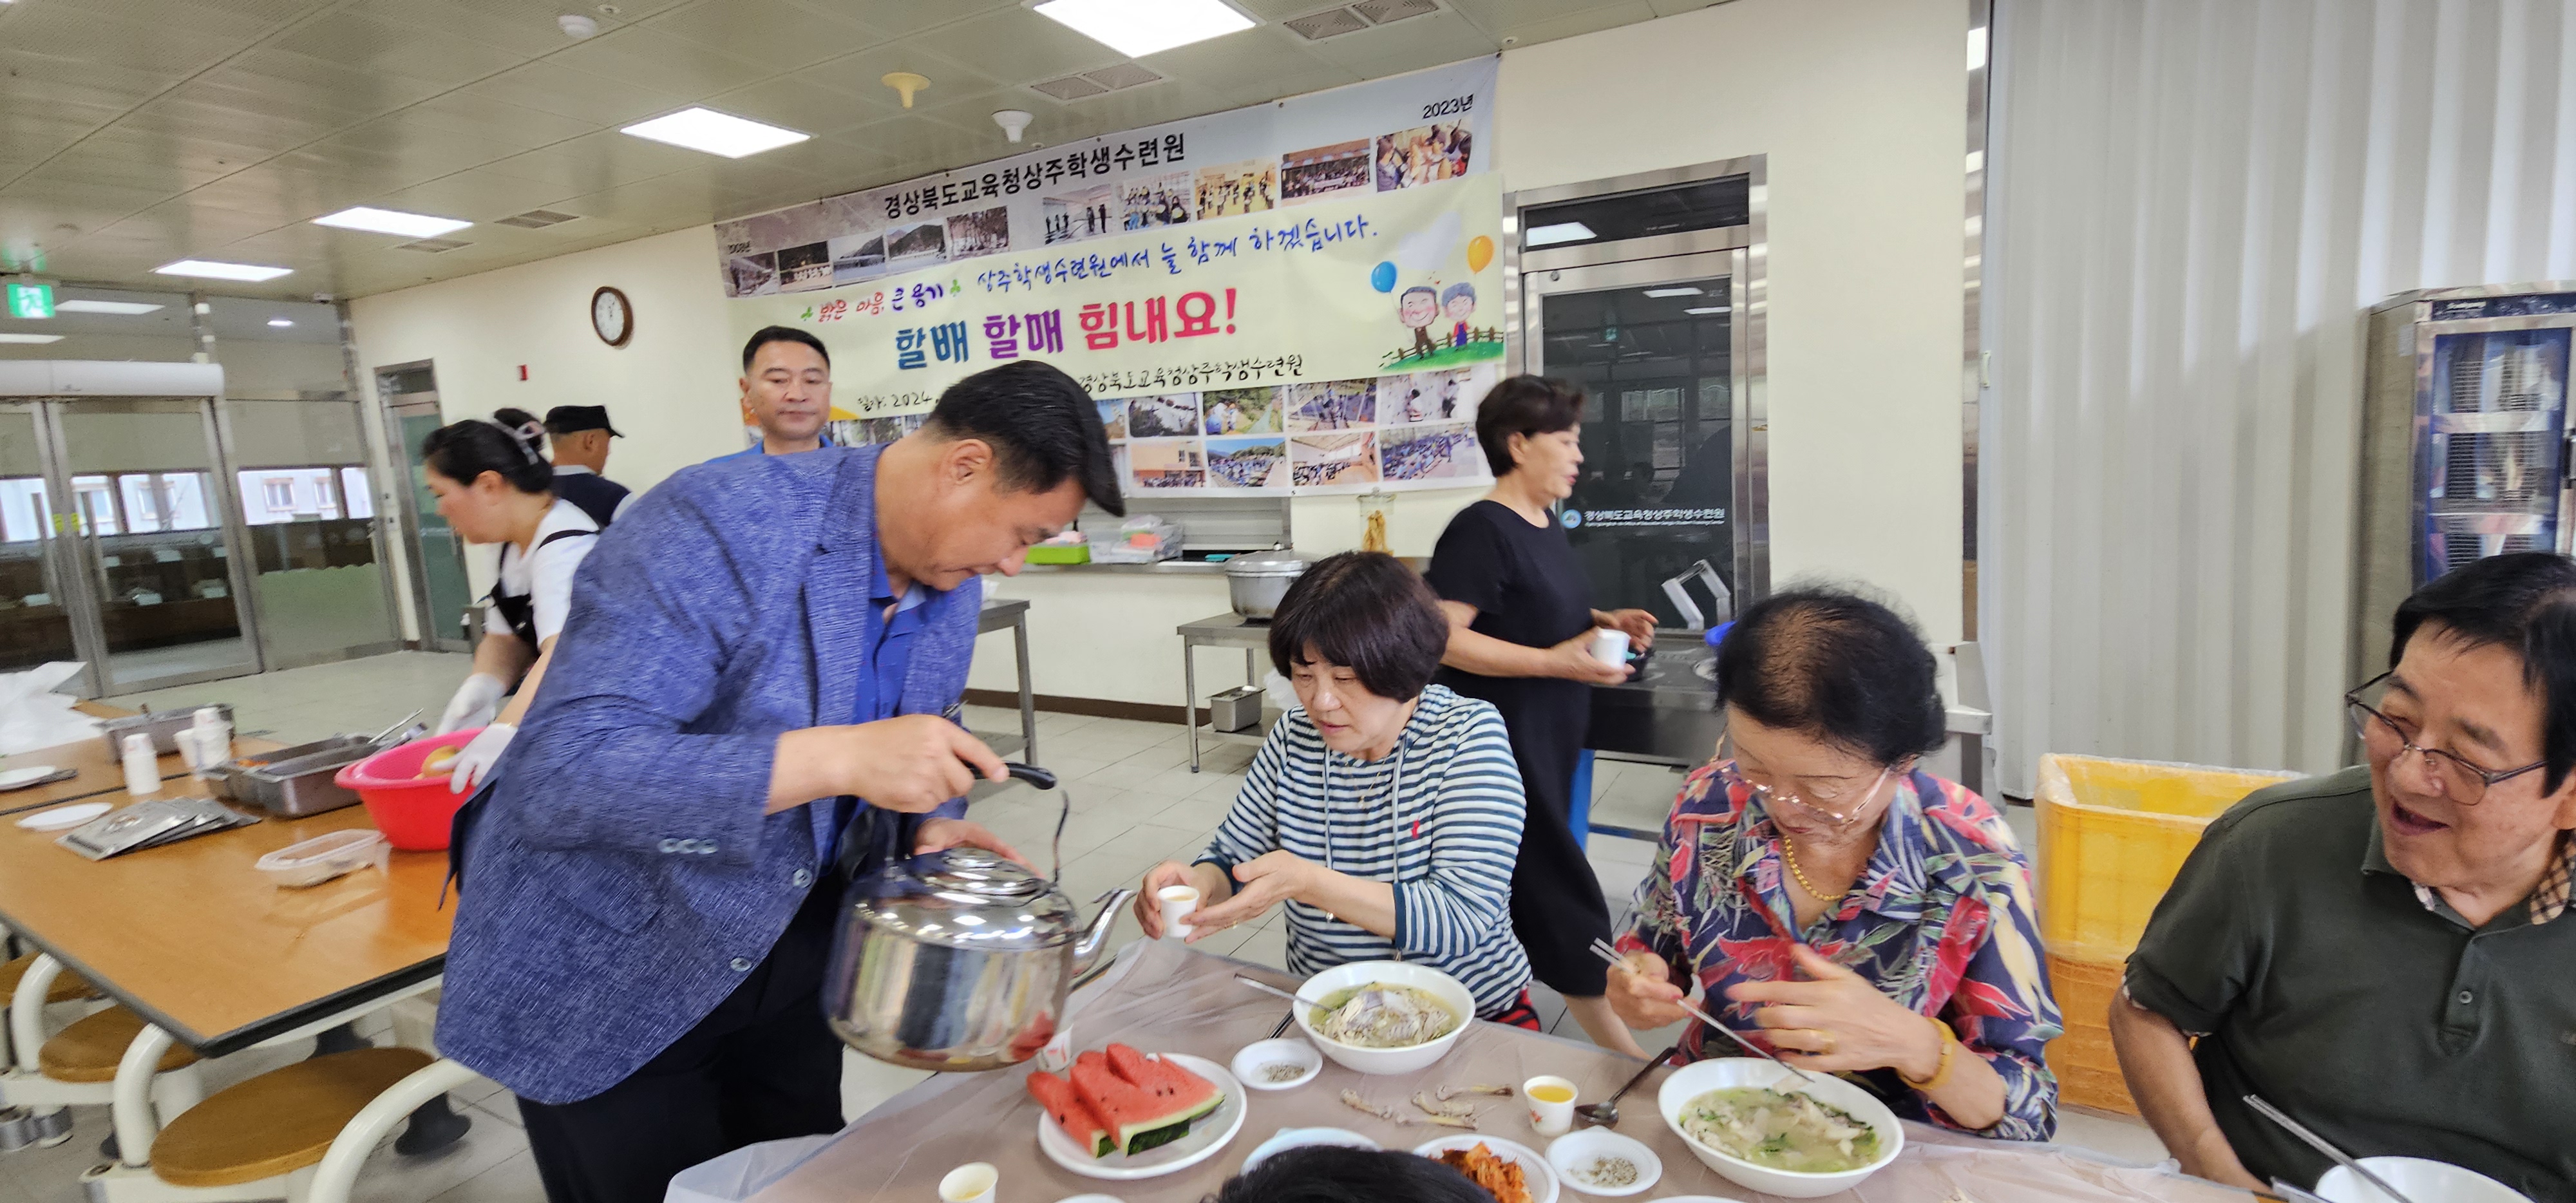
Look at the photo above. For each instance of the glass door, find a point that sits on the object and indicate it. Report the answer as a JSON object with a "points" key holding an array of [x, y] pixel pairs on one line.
{"points": [[1668, 436], [445, 594], [35, 608], [308, 513], [149, 546]]}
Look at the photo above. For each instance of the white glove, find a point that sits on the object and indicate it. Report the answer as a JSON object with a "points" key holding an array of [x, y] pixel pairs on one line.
{"points": [[475, 703], [479, 755]]}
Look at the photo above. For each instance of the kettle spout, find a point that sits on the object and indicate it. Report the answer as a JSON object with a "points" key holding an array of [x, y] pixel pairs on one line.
{"points": [[1096, 936]]}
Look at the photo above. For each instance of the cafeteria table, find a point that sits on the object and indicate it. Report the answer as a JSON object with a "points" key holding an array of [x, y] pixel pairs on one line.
{"points": [[214, 957], [1159, 996]]}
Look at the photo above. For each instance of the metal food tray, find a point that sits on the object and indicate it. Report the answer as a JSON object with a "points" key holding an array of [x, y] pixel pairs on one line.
{"points": [[297, 781], [161, 725]]}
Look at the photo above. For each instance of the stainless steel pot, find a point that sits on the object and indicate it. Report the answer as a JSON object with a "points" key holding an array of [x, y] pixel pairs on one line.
{"points": [[1256, 583], [958, 960]]}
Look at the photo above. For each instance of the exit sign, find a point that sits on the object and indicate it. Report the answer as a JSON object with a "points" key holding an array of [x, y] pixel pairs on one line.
{"points": [[31, 300]]}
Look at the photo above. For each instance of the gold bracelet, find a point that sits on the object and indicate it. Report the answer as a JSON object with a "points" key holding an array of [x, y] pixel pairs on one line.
{"points": [[1941, 1073]]}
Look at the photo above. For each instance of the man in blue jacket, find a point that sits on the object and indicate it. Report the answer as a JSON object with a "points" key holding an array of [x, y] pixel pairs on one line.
{"points": [[762, 663]]}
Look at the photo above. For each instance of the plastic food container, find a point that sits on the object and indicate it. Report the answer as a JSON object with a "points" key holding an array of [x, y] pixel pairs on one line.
{"points": [[324, 857], [413, 811]]}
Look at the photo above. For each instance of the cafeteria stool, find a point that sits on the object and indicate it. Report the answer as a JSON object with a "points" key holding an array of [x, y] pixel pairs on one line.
{"points": [[297, 1133], [76, 1066], [67, 987]]}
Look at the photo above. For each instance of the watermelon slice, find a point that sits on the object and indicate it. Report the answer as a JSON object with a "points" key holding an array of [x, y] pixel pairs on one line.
{"points": [[1070, 1113], [1146, 1103]]}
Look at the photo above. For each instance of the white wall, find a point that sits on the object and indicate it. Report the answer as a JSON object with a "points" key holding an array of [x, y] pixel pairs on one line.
{"points": [[1861, 106], [2193, 205], [671, 390]]}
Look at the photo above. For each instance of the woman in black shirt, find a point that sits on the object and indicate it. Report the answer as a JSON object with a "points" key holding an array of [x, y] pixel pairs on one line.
{"points": [[1520, 634]]}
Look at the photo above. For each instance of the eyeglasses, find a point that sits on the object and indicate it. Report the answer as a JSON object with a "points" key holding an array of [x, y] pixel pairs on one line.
{"points": [[1838, 807], [2383, 739]]}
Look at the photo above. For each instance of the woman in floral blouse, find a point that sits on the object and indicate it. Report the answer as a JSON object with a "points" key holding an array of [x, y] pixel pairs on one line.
{"points": [[1830, 899]]}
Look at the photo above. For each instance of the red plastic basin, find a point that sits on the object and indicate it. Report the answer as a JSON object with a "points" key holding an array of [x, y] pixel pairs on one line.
{"points": [[413, 811]]}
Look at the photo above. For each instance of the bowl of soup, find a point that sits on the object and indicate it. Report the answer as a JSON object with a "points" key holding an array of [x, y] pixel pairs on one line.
{"points": [[1767, 1129], [1384, 1017]]}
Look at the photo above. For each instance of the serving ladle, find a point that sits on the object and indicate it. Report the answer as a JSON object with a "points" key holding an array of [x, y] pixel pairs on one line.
{"points": [[1606, 1112]]}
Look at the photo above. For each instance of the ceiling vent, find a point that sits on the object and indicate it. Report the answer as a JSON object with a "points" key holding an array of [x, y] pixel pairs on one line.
{"points": [[537, 219], [431, 246], [1095, 83], [1379, 12], [1334, 22]]}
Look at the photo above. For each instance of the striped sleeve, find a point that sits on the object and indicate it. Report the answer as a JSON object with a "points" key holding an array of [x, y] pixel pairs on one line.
{"points": [[1251, 827], [1474, 828]]}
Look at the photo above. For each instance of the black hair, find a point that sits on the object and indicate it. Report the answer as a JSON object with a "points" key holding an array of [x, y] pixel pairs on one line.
{"points": [[1334, 1174], [507, 444], [1041, 426], [1833, 664], [781, 334], [1366, 611], [1524, 405], [2525, 603]]}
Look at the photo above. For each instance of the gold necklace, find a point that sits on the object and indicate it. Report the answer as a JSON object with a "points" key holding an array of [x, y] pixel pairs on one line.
{"points": [[1790, 855]]}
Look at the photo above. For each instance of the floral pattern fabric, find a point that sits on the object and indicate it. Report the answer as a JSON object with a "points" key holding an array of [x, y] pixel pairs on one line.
{"points": [[1939, 920]]}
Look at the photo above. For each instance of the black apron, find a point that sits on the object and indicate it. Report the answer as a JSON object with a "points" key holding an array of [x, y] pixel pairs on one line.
{"points": [[520, 612]]}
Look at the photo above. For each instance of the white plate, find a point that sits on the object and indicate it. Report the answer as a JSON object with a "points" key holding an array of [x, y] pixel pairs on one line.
{"points": [[1574, 1152], [62, 818], [1535, 1172], [2423, 1181], [1208, 1135], [29, 775], [1298, 1138], [1091, 1199]]}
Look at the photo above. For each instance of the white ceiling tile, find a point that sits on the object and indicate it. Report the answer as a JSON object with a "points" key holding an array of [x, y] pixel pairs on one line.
{"points": [[1674, 8], [479, 195], [551, 87], [1016, 45], [268, 80], [1441, 37], [672, 64], [94, 161], [473, 113], [1259, 64], [602, 160], [773, 33], [1281, 10], [72, 31], [792, 102], [902, 18], [862, 75], [514, 25], [185, 223], [371, 45], [1535, 21], [42, 80]]}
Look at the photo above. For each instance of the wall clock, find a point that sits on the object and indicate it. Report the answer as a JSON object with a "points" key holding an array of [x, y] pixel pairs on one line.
{"points": [[611, 317]]}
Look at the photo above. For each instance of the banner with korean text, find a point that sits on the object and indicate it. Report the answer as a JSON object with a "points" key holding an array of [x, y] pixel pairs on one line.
{"points": [[1319, 313]]}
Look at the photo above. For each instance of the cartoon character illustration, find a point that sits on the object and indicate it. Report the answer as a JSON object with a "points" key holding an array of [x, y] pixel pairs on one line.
{"points": [[1458, 302], [1418, 307]]}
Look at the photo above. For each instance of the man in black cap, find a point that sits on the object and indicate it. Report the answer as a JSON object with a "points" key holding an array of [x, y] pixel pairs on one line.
{"points": [[580, 434]]}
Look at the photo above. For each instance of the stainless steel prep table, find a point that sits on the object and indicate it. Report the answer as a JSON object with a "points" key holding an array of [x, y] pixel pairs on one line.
{"points": [[997, 614]]}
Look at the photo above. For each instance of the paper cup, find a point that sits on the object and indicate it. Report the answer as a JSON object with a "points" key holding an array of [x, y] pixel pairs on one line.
{"points": [[1551, 1104], [972, 1182], [1609, 647], [1177, 901]]}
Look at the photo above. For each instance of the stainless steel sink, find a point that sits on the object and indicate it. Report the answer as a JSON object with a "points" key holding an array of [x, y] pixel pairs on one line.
{"points": [[1667, 711]]}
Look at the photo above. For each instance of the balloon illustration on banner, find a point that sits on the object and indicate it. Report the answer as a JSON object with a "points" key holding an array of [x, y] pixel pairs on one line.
{"points": [[1480, 251], [1382, 277]]}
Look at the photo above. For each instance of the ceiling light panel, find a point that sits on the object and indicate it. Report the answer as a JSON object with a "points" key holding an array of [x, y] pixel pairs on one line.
{"points": [[120, 308], [215, 270], [30, 338], [391, 221], [715, 133], [1136, 28]]}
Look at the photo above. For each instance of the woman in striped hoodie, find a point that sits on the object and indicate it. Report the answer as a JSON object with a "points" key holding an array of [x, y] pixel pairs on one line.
{"points": [[1384, 811]]}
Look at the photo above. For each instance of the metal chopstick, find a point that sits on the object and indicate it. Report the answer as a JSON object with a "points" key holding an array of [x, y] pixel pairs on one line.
{"points": [[2319, 1143], [1607, 953]]}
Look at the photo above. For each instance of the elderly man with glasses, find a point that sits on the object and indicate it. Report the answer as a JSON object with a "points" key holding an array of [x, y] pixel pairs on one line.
{"points": [[2385, 953]]}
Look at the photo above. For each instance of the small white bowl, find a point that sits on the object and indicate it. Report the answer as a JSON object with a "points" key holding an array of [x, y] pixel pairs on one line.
{"points": [[2423, 1180], [1572, 1155], [1449, 990], [1252, 1064], [1700, 1077]]}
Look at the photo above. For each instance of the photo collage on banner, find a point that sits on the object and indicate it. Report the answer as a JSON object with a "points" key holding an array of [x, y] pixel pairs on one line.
{"points": [[1302, 296], [1416, 429]]}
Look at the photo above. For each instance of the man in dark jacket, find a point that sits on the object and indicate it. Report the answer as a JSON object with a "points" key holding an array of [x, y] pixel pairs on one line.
{"points": [[580, 435]]}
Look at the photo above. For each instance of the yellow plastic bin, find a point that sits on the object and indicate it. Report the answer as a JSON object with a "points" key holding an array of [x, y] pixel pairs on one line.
{"points": [[2112, 834]]}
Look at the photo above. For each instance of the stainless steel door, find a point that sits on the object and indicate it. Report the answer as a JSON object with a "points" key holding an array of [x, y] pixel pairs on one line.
{"points": [[1673, 438]]}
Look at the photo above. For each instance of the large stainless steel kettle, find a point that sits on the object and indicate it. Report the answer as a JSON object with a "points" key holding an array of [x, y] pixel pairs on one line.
{"points": [[958, 959]]}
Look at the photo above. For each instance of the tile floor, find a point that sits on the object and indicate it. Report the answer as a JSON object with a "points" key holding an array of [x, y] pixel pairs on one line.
{"points": [[1133, 801]]}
